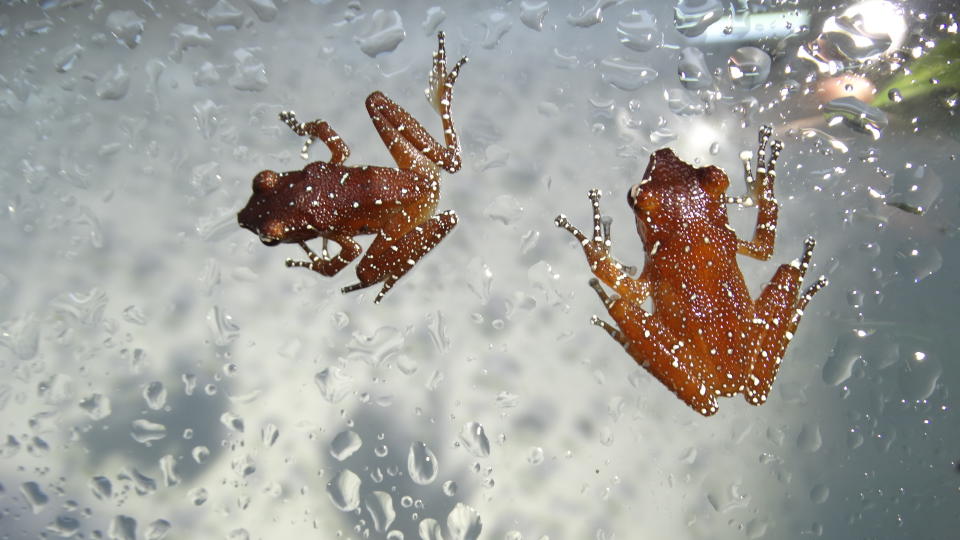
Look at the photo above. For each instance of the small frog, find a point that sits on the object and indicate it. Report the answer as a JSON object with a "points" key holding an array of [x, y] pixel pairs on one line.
{"points": [[333, 201], [705, 337]]}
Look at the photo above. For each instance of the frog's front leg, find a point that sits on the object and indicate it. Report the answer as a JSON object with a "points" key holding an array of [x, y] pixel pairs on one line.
{"points": [[410, 144], [389, 257], [655, 347], [602, 264], [323, 264], [339, 151], [760, 189], [778, 310]]}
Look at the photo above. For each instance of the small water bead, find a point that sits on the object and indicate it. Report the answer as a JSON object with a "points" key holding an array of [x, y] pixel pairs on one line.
{"points": [[535, 455], [381, 450], [406, 501], [449, 488], [895, 95]]}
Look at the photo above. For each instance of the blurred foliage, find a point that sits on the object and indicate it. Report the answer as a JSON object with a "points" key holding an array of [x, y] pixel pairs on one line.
{"points": [[941, 64]]}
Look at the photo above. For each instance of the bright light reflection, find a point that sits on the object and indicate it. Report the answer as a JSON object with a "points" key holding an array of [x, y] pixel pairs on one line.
{"points": [[880, 17]]}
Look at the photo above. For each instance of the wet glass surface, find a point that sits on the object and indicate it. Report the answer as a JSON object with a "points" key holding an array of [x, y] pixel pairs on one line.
{"points": [[164, 375]]}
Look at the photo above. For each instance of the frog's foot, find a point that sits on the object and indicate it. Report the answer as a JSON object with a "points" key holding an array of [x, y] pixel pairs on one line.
{"points": [[766, 169], [323, 263], [440, 84], [317, 130]]}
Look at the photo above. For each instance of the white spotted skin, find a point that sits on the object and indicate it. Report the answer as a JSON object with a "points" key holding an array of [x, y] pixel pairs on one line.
{"points": [[706, 337], [337, 202]]}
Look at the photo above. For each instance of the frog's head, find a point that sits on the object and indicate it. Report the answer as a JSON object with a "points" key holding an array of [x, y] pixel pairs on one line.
{"points": [[672, 193], [262, 216]]}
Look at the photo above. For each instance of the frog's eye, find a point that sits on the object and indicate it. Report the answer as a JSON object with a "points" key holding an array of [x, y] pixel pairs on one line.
{"points": [[265, 181], [641, 200], [713, 180]]}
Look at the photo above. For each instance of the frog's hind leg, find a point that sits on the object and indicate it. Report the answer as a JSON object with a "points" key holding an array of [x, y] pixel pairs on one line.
{"points": [[655, 347], [318, 129], [389, 258], [410, 144], [778, 312]]}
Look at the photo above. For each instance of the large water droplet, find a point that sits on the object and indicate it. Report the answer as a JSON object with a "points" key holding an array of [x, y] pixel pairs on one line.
{"points": [[344, 491], [345, 444], [915, 189], [839, 366], [475, 439], [34, 496], [625, 74], [692, 69], [122, 528], [126, 26], [532, 13], [856, 114], [334, 385], [385, 33], [384, 344], [590, 15], [422, 464], [919, 373], [155, 394], [916, 261], [429, 529], [145, 431], [809, 439], [638, 31], [749, 67], [692, 17], [463, 522], [380, 506]]}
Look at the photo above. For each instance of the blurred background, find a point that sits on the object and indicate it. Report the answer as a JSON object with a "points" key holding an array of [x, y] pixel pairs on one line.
{"points": [[163, 375]]}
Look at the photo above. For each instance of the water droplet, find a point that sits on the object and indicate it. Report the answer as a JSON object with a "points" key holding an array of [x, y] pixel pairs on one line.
{"points": [[857, 114], [504, 208], [334, 385], [692, 69], [692, 17], [100, 487], [126, 26], [625, 74], [266, 10], [463, 522], [839, 366], [683, 103], [819, 494], [122, 528], [590, 15], [198, 496], [345, 444], [113, 84], [64, 59], [344, 491], [495, 23], [64, 526], [385, 343], [532, 13], [749, 67], [380, 506], [919, 373], [475, 439], [224, 16], [917, 262], [638, 31], [449, 488], [429, 529], [97, 406], [435, 16], [145, 431], [200, 454], [915, 189], [155, 394], [34, 496], [422, 465], [384, 33], [809, 439]]}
